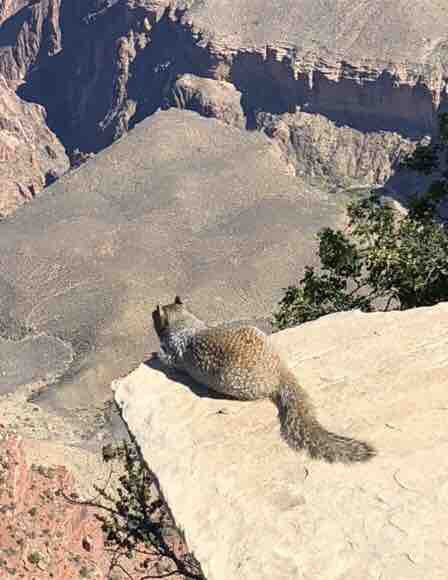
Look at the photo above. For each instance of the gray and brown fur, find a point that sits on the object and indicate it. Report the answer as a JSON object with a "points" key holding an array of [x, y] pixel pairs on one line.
{"points": [[242, 363]]}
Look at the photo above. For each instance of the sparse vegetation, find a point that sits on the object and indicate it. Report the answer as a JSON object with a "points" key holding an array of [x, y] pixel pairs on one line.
{"points": [[387, 259], [137, 523], [34, 557], [84, 572]]}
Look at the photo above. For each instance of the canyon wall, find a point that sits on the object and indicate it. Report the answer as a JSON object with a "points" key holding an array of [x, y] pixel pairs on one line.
{"points": [[132, 52], [31, 156]]}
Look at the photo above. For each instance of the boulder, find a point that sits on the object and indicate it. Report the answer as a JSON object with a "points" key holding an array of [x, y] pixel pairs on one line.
{"points": [[209, 98], [253, 508]]}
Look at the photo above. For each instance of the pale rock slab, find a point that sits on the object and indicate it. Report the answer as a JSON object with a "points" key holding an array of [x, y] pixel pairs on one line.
{"points": [[252, 508]]}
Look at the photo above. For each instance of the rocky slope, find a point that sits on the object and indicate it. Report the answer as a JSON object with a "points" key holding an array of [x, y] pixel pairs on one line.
{"points": [[31, 156], [336, 157], [180, 204], [46, 531], [276, 514], [30, 33], [10, 7], [42, 535]]}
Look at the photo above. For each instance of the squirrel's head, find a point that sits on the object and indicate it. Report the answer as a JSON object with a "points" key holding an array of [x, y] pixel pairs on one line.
{"points": [[165, 316], [174, 316]]}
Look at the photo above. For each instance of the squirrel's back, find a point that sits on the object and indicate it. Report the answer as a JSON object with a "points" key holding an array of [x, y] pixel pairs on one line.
{"points": [[236, 361], [241, 362]]}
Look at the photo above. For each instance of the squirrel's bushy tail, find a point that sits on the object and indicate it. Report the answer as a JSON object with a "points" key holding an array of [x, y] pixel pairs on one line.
{"points": [[301, 429]]}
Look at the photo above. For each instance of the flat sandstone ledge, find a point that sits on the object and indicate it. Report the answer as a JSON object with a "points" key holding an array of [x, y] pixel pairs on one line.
{"points": [[253, 509]]}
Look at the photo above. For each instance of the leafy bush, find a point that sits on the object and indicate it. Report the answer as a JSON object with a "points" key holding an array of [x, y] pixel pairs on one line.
{"points": [[387, 258]]}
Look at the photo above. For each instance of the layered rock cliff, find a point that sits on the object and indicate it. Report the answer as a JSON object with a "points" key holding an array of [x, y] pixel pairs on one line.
{"points": [[329, 59], [301, 56], [30, 32], [337, 157], [31, 156]]}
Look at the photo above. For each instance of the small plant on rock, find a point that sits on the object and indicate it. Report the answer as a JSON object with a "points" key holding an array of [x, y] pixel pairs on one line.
{"points": [[137, 523]]}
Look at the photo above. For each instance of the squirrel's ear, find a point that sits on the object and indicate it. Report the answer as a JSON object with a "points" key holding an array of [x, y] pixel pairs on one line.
{"points": [[159, 319], [177, 300]]}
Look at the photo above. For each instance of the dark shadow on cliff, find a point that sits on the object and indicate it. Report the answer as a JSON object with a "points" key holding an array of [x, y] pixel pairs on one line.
{"points": [[271, 86], [11, 27], [180, 377], [97, 99]]}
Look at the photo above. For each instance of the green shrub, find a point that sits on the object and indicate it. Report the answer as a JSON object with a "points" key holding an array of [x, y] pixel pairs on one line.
{"points": [[387, 259]]}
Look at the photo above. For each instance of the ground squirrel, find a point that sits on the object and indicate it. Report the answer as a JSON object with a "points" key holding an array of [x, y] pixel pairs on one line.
{"points": [[241, 362]]}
